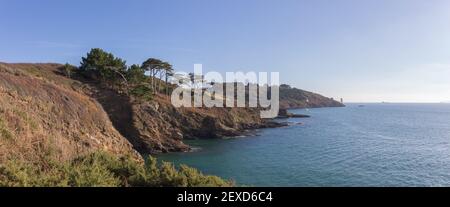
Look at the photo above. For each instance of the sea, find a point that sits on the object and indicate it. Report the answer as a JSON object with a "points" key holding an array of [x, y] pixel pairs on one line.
{"points": [[383, 144]]}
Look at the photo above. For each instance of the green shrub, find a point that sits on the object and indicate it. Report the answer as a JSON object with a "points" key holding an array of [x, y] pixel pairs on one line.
{"points": [[194, 178], [68, 70], [103, 66], [17, 173], [103, 169], [4, 132], [142, 92], [135, 74], [91, 171]]}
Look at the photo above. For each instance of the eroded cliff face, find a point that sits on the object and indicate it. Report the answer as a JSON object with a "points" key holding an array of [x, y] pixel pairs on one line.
{"points": [[161, 127], [44, 114]]}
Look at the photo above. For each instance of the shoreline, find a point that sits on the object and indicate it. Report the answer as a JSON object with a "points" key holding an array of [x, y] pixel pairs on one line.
{"points": [[251, 131]]}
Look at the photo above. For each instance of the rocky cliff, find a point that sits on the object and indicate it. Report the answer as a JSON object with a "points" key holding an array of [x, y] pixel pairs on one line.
{"points": [[157, 126], [42, 108], [44, 112]]}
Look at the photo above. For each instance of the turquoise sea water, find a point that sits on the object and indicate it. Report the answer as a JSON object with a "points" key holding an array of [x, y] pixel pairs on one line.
{"points": [[375, 145]]}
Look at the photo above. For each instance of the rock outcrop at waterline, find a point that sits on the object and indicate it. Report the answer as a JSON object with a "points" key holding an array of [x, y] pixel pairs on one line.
{"points": [[157, 126], [284, 114]]}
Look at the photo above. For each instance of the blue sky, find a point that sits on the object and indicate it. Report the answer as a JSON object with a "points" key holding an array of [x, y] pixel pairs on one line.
{"points": [[360, 50]]}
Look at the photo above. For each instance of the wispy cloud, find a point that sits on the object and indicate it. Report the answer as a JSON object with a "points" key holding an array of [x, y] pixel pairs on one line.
{"points": [[49, 44], [140, 43], [186, 50]]}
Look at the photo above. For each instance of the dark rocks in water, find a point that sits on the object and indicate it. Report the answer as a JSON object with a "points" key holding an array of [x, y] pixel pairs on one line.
{"points": [[284, 114], [298, 116], [273, 124], [295, 123], [252, 129]]}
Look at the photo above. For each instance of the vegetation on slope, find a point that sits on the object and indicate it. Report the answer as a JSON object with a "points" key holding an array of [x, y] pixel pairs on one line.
{"points": [[47, 122], [101, 169], [296, 98], [41, 115], [51, 114], [108, 70], [138, 102], [38, 146]]}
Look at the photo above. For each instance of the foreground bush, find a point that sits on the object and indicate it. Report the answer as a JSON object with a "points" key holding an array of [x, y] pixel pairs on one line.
{"points": [[102, 169]]}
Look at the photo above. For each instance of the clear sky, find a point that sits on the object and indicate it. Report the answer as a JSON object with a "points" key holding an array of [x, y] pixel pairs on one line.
{"points": [[360, 50]]}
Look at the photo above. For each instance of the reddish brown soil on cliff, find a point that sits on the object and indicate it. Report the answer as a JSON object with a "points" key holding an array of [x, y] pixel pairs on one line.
{"points": [[45, 114]]}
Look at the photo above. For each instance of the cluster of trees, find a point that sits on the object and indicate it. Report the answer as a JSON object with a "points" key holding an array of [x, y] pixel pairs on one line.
{"points": [[152, 76], [158, 69]]}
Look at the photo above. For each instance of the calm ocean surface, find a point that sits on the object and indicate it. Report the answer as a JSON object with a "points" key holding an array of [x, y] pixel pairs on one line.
{"points": [[375, 145]]}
